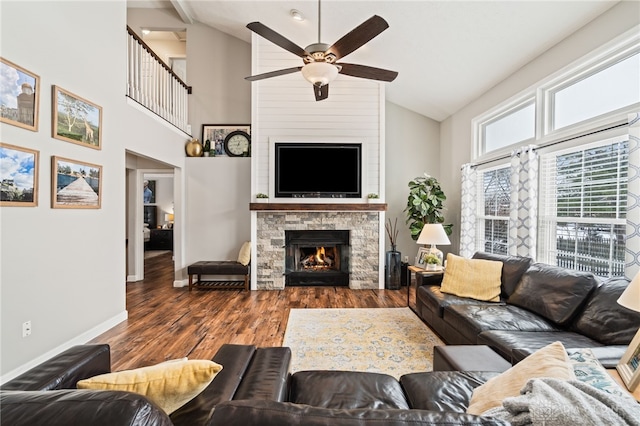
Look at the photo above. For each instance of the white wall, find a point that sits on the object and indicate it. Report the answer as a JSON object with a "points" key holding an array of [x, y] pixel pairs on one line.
{"points": [[456, 132], [216, 219], [64, 270], [412, 149]]}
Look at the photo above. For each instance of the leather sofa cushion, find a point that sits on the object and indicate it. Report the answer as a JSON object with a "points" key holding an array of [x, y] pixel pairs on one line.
{"points": [[267, 375], [553, 292], [346, 390], [513, 267], [504, 342], [471, 320], [235, 360], [271, 413], [79, 407], [442, 390], [435, 300], [603, 319]]}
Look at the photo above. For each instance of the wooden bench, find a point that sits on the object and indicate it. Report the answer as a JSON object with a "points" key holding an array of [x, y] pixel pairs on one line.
{"points": [[220, 267]]}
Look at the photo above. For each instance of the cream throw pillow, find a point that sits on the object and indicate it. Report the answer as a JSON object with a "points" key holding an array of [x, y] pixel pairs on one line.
{"points": [[550, 361], [169, 385], [474, 278], [245, 253]]}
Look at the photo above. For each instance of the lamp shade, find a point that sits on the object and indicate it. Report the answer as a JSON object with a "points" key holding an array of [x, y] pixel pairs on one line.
{"points": [[319, 73], [433, 233], [630, 298], [168, 217]]}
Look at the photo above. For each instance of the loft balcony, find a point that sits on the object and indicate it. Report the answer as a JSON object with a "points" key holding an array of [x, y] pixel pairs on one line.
{"points": [[152, 84]]}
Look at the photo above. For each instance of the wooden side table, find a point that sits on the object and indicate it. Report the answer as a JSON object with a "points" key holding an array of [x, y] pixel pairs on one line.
{"points": [[416, 269]]}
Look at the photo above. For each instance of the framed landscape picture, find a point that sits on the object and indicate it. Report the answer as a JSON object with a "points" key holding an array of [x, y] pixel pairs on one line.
{"points": [[18, 176], [76, 120], [216, 134], [75, 184], [19, 96]]}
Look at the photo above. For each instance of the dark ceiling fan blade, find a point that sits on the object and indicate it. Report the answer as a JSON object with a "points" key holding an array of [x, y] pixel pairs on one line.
{"points": [[321, 92], [364, 71], [358, 36], [277, 39], [273, 74]]}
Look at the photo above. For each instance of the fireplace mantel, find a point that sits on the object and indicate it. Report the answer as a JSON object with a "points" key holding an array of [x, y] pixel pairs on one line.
{"points": [[334, 207]]}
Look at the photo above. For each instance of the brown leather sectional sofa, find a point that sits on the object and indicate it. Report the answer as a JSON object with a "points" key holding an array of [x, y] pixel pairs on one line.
{"points": [[254, 388], [540, 304]]}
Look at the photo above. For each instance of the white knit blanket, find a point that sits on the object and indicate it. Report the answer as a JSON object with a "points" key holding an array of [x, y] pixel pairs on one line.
{"points": [[545, 402]]}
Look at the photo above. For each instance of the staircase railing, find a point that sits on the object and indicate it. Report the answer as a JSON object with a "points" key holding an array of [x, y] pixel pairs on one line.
{"points": [[154, 85]]}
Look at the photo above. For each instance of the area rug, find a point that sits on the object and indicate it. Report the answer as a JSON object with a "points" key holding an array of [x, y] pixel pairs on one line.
{"points": [[393, 341]]}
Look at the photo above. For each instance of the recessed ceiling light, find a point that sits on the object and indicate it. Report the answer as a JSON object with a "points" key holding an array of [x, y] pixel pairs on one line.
{"points": [[145, 31], [297, 15]]}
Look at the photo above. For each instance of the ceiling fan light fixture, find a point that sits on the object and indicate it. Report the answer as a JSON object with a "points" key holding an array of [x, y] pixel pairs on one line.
{"points": [[319, 73]]}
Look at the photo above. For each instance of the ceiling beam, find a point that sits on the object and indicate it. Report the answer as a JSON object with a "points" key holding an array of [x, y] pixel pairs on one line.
{"points": [[183, 10]]}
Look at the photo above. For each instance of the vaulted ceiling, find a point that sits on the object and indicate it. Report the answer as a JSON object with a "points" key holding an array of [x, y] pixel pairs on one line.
{"points": [[447, 53]]}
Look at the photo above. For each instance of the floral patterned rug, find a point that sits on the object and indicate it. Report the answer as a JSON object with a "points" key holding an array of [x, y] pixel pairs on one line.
{"points": [[393, 341]]}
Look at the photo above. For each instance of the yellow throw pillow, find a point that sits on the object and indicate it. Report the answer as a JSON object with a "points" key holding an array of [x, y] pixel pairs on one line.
{"points": [[169, 385], [550, 361], [474, 278], [245, 253]]}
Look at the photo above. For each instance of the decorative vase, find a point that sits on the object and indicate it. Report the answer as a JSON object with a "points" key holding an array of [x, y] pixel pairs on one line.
{"points": [[393, 269], [193, 148]]}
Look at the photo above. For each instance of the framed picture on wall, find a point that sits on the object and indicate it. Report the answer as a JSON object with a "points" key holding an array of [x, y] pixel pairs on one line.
{"points": [[216, 134], [18, 176], [76, 120], [75, 184], [149, 192], [20, 96]]}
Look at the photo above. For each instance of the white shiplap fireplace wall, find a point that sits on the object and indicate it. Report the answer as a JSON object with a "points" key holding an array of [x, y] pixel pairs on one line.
{"points": [[284, 110]]}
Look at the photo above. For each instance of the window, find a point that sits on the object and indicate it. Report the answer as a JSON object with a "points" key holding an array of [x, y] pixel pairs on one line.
{"points": [[493, 215], [606, 90], [583, 203], [516, 125]]}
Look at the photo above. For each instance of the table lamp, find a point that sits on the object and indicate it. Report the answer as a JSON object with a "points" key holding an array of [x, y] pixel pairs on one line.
{"points": [[629, 365], [432, 234], [168, 218]]}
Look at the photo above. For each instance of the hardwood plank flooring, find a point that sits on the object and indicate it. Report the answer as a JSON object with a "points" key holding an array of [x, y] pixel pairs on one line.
{"points": [[167, 322]]}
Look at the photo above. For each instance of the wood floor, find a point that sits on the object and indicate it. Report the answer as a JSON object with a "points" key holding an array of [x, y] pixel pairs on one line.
{"points": [[167, 322]]}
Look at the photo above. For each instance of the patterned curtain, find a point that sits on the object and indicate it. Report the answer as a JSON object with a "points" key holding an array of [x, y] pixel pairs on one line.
{"points": [[632, 243], [468, 211], [523, 222]]}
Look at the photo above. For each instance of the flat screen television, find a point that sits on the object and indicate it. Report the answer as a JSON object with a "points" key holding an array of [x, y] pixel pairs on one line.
{"points": [[318, 170]]}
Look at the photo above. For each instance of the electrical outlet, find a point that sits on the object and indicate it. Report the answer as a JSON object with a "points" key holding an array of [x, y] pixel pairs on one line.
{"points": [[26, 328]]}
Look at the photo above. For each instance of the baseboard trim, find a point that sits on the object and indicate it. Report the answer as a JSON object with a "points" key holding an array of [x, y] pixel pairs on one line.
{"points": [[181, 283], [78, 340]]}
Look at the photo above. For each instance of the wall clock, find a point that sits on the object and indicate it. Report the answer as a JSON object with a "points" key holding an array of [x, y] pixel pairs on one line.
{"points": [[237, 144]]}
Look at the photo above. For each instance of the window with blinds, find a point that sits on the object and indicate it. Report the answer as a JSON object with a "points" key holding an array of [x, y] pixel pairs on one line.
{"points": [[582, 210], [493, 211]]}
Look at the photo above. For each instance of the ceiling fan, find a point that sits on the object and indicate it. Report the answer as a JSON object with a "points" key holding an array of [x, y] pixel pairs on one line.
{"points": [[320, 66]]}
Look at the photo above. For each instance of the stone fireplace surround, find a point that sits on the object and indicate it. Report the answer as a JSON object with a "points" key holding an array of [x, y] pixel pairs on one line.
{"points": [[364, 227]]}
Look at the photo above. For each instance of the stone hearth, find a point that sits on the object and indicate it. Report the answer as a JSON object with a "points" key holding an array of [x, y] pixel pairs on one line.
{"points": [[364, 227]]}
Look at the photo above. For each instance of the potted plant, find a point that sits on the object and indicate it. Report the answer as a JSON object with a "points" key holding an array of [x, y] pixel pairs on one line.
{"points": [[432, 261], [373, 197], [262, 198], [425, 204], [207, 147]]}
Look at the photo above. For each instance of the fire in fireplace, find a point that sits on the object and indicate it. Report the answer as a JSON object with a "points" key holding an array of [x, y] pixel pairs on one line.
{"points": [[317, 257]]}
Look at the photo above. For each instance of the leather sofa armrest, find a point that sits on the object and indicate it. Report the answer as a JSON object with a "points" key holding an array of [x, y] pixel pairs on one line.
{"points": [[65, 369], [79, 407]]}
